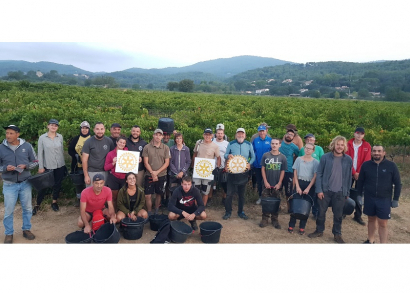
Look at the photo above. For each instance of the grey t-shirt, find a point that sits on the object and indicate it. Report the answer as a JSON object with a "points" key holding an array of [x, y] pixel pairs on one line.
{"points": [[305, 170], [335, 180], [98, 150], [273, 164]]}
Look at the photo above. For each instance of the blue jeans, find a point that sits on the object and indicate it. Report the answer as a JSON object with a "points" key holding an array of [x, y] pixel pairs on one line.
{"points": [[12, 192]]}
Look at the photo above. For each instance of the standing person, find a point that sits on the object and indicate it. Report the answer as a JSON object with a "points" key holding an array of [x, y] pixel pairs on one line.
{"points": [[186, 202], [222, 144], [377, 178], [93, 200], [156, 157], [95, 150], [51, 157], [220, 126], [17, 157], [261, 145], [115, 180], [180, 160], [257, 134], [317, 154], [305, 168], [135, 143], [360, 151], [297, 140], [273, 167], [115, 131], [291, 152], [206, 149], [131, 200], [75, 151], [237, 182], [333, 181], [167, 140]]}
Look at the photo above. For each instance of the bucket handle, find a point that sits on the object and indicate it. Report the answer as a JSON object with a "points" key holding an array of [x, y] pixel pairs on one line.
{"points": [[291, 197], [211, 233]]}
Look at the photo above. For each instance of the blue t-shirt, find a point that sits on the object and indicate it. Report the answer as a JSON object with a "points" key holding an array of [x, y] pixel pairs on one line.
{"points": [[288, 150], [260, 146]]}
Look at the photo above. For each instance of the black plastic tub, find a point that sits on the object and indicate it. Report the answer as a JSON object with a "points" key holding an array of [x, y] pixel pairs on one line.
{"points": [[210, 232], [132, 230]]}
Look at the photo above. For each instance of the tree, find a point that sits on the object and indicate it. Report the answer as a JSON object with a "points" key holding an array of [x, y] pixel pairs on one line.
{"points": [[186, 85], [136, 86], [240, 85], [172, 85], [150, 86]]}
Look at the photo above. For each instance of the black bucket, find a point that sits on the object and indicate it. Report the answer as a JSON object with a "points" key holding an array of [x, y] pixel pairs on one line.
{"points": [[348, 208], [155, 221], [179, 232], [132, 230], [77, 178], [210, 232], [166, 125], [270, 205], [78, 237], [300, 208], [107, 233], [43, 180]]}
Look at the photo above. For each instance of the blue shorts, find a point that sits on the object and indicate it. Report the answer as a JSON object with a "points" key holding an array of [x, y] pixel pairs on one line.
{"points": [[377, 206]]}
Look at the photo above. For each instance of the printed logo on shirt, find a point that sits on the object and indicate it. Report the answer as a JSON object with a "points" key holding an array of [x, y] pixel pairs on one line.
{"points": [[140, 148], [187, 202], [23, 150], [271, 164], [105, 147], [384, 170]]}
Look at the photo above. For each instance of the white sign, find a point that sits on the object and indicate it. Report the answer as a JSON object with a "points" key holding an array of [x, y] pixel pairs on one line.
{"points": [[203, 168], [127, 161]]}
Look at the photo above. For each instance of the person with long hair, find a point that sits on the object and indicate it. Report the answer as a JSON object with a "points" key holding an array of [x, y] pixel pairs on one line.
{"points": [[131, 199], [51, 157], [180, 160], [115, 180]]}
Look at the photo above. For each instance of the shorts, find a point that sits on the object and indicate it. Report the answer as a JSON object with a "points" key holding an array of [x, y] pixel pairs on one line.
{"points": [[157, 187], [114, 183], [204, 185], [91, 214], [377, 206]]}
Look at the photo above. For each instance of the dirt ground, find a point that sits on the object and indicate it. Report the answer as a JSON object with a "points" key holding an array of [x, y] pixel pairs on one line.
{"points": [[52, 227]]}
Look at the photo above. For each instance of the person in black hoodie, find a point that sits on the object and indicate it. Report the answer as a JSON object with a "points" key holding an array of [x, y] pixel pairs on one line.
{"points": [[186, 202], [74, 150], [377, 178]]}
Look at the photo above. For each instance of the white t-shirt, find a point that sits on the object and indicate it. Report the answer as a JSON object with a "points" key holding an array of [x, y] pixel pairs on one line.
{"points": [[356, 152], [222, 150]]}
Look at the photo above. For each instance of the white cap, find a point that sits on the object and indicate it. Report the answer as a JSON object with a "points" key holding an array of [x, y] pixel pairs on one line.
{"points": [[85, 124], [220, 126], [240, 129]]}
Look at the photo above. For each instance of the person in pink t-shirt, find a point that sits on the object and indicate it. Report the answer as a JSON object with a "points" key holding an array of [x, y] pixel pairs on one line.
{"points": [[93, 198]]}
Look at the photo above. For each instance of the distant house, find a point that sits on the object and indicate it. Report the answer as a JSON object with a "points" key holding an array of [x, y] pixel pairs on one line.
{"points": [[294, 95], [39, 74], [303, 90], [308, 82], [248, 92], [375, 94], [287, 81], [258, 92], [269, 80]]}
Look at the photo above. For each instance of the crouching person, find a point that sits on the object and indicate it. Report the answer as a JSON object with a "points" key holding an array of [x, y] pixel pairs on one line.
{"points": [[131, 199], [186, 202], [93, 199]]}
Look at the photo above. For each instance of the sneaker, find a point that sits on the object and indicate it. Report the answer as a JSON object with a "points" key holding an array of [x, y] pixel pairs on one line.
{"points": [[301, 231], [315, 234], [258, 201], [339, 239], [290, 230], [226, 216], [194, 225], [77, 203], [8, 239], [243, 216], [35, 209], [27, 234], [360, 221], [55, 207], [276, 225], [368, 242], [208, 204]]}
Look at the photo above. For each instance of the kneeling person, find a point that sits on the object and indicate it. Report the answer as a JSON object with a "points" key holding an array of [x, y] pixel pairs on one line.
{"points": [[93, 199], [186, 202]]}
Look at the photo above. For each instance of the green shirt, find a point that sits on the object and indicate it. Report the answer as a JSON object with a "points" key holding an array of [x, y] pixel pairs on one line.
{"points": [[317, 154]]}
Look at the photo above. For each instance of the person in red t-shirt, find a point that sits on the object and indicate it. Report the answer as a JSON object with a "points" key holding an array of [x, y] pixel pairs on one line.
{"points": [[360, 151], [93, 198]]}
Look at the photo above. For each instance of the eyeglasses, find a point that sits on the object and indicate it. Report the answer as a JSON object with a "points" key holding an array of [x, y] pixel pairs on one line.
{"points": [[310, 149]]}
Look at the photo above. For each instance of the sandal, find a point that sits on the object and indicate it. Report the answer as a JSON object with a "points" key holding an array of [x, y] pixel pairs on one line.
{"points": [[301, 231], [290, 230]]}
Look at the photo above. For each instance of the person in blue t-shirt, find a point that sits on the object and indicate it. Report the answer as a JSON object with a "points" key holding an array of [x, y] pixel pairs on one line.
{"points": [[291, 152]]}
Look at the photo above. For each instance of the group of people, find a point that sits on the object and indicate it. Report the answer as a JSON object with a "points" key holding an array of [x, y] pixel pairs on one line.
{"points": [[303, 171]]}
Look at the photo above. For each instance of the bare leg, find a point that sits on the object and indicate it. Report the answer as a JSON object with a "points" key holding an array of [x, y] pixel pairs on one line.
{"points": [[157, 201], [382, 230], [371, 228], [205, 198], [148, 202]]}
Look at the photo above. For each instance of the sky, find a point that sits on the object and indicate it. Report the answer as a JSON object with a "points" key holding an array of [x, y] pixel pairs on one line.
{"points": [[103, 36]]}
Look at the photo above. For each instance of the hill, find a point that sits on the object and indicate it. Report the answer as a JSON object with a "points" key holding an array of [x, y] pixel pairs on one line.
{"points": [[43, 66]]}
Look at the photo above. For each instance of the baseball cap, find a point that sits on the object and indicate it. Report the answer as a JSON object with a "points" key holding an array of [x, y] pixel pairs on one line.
{"points": [[11, 126], [115, 125], [98, 177], [291, 126], [220, 126], [53, 121], [290, 130], [158, 131], [85, 124], [240, 129], [265, 124], [309, 135], [261, 127], [359, 129], [208, 130]]}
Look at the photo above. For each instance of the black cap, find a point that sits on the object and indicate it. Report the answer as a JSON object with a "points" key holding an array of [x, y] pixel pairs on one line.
{"points": [[53, 121], [115, 125], [208, 130], [309, 135], [98, 177], [14, 127], [359, 129]]}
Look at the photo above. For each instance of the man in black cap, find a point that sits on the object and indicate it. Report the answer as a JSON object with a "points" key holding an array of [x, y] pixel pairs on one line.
{"points": [[17, 157], [115, 131]]}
